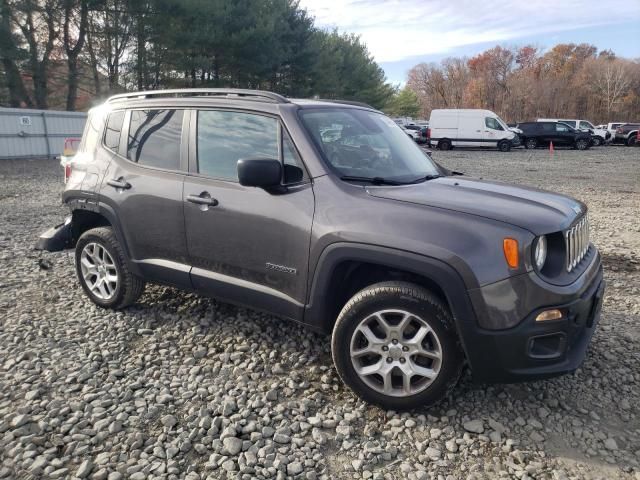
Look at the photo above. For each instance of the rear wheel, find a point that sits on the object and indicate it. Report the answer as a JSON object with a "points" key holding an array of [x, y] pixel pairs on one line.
{"points": [[504, 145], [444, 144], [102, 270], [394, 345], [582, 144], [631, 141], [531, 143]]}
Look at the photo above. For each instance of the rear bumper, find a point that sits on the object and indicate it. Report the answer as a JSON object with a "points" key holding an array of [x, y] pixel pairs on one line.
{"points": [[535, 350], [56, 238]]}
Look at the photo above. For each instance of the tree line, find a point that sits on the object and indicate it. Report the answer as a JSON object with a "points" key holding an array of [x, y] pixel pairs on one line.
{"points": [[66, 53], [525, 83]]}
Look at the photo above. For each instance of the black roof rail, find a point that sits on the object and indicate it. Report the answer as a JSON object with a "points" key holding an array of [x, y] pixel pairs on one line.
{"points": [[346, 102], [202, 92]]}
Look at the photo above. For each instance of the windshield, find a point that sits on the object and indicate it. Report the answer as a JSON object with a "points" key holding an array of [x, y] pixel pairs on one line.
{"points": [[361, 143]]}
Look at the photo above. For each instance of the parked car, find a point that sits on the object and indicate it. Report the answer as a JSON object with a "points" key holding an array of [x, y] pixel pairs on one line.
{"points": [[537, 134], [469, 128], [598, 136], [610, 127], [627, 134], [415, 134], [420, 132], [238, 195]]}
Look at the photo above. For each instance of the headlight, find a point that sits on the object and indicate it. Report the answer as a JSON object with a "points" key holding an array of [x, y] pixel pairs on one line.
{"points": [[540, 253]]}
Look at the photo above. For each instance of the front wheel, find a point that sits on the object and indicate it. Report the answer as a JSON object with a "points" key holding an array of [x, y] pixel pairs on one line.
{"points": [[394, 345], [504, 146], [102, 270], [631, 141], [582, 144], [597, 141]]}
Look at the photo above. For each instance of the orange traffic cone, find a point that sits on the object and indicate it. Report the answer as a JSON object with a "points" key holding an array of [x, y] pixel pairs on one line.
{"points": [[551, 147]]}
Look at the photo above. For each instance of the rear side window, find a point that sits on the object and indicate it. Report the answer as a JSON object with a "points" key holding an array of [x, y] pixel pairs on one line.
{"points": [[560, 127], [223, 138], [548, 127], [112, 133], [154, 138]]}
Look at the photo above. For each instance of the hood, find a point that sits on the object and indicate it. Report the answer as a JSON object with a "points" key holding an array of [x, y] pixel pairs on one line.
{"points": [[516, 130], [538, 211]]}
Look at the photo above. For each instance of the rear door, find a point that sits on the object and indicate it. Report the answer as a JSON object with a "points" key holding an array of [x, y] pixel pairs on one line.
{"points": [[143, 185], [246, 245]]}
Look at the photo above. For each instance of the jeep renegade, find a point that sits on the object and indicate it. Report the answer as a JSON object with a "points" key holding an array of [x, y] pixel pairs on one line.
{"points": [[327, 213]]}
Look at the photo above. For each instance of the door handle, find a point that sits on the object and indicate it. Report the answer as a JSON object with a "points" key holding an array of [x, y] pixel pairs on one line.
{"points": [[119, 183], [204, 199]]}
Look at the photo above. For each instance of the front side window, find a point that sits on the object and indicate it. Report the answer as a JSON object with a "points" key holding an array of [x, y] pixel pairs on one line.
{"points": [[568, 122], [587, 125], [560, 127], [366, 144], [492, 123], [224, 137], [112, 133], [154, 138]]}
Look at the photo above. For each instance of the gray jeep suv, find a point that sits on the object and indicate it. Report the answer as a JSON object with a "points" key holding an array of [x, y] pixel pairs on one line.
{"points": [[326, 213]]}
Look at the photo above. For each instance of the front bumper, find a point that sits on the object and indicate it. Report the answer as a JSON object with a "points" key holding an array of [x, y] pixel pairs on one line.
{"points": [[535, 350]]}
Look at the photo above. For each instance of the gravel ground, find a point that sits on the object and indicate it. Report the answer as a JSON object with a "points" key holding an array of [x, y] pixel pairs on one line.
{"points": [[179, 386]]}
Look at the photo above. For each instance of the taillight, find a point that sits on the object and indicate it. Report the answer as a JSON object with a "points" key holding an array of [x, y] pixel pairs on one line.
{"points": [[67, 172], [428, 133]]}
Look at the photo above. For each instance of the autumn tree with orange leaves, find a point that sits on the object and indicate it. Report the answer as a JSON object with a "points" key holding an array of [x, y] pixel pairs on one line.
{"points": [[569, 80]]}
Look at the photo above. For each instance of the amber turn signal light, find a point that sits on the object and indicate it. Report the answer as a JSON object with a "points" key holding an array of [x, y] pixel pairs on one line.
{"points": [[510, 247], [553, 314]]}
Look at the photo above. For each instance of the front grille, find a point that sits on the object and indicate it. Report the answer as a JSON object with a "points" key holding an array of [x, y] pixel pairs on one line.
{"points": [[576, 241]]}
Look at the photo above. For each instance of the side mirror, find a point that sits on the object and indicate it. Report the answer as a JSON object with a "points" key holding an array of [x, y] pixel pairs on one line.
{"points": [[263, 173]]}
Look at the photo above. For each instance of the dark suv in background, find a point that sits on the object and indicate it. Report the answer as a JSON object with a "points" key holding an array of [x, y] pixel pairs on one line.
{"points": [[540, 134], [328, 214]]}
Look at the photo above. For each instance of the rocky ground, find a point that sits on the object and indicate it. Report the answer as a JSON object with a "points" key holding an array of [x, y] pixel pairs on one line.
{"points": [[180, 386]]}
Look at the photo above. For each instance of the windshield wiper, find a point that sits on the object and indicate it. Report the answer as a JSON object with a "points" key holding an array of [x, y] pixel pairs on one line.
{"points": [[372, 180], [426, 178]]}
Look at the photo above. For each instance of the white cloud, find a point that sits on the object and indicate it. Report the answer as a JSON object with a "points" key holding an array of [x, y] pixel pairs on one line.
{"points": [[398, 29]]}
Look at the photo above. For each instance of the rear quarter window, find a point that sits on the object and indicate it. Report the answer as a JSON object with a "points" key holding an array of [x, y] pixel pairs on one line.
{"points": [[113, 130]]}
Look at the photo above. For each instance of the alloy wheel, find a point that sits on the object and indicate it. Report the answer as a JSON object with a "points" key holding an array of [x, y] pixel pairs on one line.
{"points": [[99, 271], [396, 353]]}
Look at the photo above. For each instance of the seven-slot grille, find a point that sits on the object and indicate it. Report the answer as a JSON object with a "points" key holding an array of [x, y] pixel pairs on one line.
{"points": [[576, 241]]}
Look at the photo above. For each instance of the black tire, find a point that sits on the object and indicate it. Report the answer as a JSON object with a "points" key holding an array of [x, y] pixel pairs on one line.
{"points": [[597, 141], [129, 287], [631, 141], [417, 301], [444, 144], [504, 145], [582, 144], [531, 143]]}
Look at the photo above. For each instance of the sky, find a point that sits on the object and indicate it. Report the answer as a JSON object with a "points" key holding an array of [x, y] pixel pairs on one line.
{"points": [[402, 33]]}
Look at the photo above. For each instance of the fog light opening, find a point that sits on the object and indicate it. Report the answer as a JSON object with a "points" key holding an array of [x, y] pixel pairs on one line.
{"points": [[553, 314]]}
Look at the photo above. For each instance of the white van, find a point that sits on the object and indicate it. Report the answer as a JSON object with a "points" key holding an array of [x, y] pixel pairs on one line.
{"points": [[599, 136], [469, 128]]}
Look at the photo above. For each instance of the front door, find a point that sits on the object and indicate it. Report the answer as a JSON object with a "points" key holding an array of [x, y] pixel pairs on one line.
{"points": [[144, 186], [246, 245], [565, 135], [493, 132]]}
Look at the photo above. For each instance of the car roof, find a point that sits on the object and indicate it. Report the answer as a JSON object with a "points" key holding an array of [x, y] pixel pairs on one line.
{"points": [[226, 96]]}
